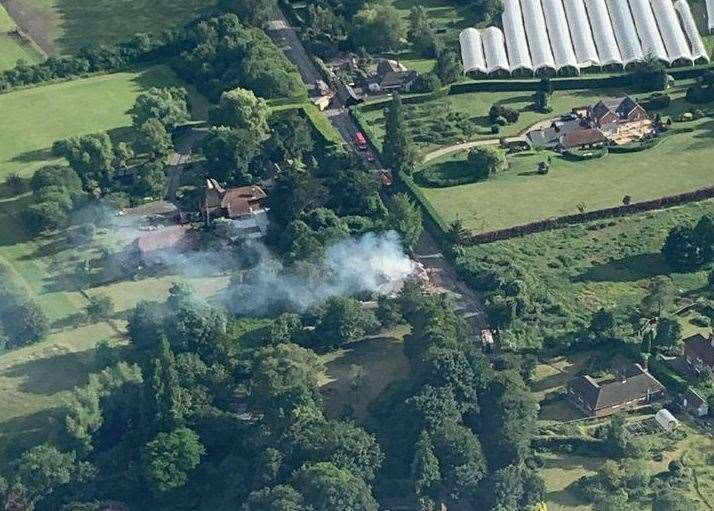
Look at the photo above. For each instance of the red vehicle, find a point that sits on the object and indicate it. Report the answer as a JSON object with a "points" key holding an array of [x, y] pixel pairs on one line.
{"points": [[360, 141]]}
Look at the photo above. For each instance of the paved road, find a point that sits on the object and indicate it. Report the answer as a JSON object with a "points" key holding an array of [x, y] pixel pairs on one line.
{"points": [[441, 273]]}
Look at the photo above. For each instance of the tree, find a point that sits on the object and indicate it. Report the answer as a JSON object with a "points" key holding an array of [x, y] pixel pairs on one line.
{"points": [[458, 233], [603, 324], [168, 105], [150, 180], [169, 457], [100, 307], [669, 332], [426, 476], [682, 249], [378, 27], [23, 321], [487, 161], [229, 153], [389, 311], [659, 297], [399, 154], [154, 140], [461, 461], [617, 438], [15, 183], [255, 12], [668, 499], [421, 34], [240, 108], [43, 469], [327, 488], [167, 407], [91, 156], [616, 501], [448, 67], [343, 320], [291, 137], [277, 498], [405, 218], [295, 191]]}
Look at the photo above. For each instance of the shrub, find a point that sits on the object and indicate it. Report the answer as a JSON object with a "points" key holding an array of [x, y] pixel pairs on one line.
{"points": [[507, 113], [487, 161]]}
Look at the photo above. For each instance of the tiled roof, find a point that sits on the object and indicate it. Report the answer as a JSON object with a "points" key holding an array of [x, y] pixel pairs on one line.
{"points": [[636, 384], [701, 347]]}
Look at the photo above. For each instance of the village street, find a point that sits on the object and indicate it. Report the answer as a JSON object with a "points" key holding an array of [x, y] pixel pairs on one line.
{"points": [[442, 275]]}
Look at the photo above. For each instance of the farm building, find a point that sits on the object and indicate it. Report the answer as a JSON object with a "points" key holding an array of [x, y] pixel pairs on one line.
{"points": [[666, 420], [564, 36], [699, 354], [634, 388], [694, 403]]}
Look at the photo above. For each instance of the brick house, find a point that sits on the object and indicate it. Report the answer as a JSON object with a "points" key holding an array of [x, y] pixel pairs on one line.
{"points": [[636, 387], [615, 111]]}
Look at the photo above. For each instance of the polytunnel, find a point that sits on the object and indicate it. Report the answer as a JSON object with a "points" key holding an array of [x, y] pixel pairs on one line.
{"points": [[559, 34], [472, 51], [541, 56], [603, 33], [581, 34], [519, 57], [672, 34], [494, 48], [699, 52], [625, 31], [650, 37]]}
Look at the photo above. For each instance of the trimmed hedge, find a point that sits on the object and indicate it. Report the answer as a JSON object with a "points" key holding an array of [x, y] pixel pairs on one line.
{"points": [[667, 376], [434, 218], [635, 147], [406, 100], [586, 446], [585, 154]]}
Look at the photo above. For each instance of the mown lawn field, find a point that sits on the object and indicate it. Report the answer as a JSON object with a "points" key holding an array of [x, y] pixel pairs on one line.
{"points": [[680, 163], [35, 380], [39, 116], [63, 26], [13, 48]]}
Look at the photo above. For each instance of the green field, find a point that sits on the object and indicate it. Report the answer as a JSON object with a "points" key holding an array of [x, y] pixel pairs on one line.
{"points": [[680, 163], [35, 380], [41, 115], [12, 48], [62, 26]]}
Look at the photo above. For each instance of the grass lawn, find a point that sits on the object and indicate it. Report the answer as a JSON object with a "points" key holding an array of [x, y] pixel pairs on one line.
{"points": [[680, 163], [11, 47], [34, 380], [63, 26], [41, 115], [358, 373]]}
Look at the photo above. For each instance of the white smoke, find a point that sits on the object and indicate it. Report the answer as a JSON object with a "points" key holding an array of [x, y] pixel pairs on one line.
{"points": [[371, 263]]}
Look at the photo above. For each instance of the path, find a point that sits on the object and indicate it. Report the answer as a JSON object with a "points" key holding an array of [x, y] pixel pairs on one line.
{"points": [[178, 160], [441, 272], [443, 151]]}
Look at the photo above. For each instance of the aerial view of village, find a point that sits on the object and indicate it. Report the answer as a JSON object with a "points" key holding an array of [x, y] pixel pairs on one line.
{"points": [[356, 255]]}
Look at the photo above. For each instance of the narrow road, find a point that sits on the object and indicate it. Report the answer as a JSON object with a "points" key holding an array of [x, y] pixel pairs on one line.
{"points": [[178, 160], [441, 272]]}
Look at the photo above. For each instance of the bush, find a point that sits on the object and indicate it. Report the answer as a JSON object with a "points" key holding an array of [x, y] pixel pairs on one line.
{"points": [[495, 129], [509, 114], [487, 161], [428, 82]]}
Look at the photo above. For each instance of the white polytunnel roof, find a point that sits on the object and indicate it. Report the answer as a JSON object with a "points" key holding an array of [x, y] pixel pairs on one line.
{"points": [[603, 34], [581, 34], [559, 33], [710, 14], [472, 50], [625, 31], [515, 33], [650, 38], [537, 33], [494, 48], [672, 34], [690, 28]]}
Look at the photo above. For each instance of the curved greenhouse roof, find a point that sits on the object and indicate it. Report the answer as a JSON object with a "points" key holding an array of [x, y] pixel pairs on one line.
{"points": [[537, 33], [690, 28], [559, 33], [710, 15], [603, 34], [516, 43], [494, 48], [581, 34], [625, 31], [650, 38], [672, 34], [472, 51]]}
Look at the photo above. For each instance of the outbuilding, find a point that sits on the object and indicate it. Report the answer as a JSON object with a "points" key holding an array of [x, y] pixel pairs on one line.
{"points": [[666, 420], [694, 403]]}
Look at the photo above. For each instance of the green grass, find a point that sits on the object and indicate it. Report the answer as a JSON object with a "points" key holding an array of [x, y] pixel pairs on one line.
{"points": [[35, 380], [11, 47], [680, 163], [63, 26], [41, 115], [380, 359]]}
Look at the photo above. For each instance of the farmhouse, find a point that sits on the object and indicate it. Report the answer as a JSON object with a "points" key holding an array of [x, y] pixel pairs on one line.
{"points": [[244, 205], [615, 121], [636, 387], [699, 354], [391, 76]]}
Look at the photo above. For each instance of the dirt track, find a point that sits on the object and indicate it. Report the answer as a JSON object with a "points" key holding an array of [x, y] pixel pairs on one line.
{"points": [[35, 22]]}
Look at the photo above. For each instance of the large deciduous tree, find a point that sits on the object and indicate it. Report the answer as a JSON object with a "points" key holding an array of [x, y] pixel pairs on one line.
{"points": [[399, 154], [169, 457], [168, 105]]}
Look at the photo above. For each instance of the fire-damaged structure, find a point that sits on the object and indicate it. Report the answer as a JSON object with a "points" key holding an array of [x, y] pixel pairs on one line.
{"points": [[245, 205]]}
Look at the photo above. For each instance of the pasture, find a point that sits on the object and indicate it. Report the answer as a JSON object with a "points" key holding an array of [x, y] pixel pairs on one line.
{"points": [[12, 46], [64, 26], [34, 380], [41, 115]]}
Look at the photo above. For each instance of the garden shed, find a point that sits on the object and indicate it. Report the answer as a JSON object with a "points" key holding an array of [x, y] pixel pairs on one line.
{"points": [[666, 420]]}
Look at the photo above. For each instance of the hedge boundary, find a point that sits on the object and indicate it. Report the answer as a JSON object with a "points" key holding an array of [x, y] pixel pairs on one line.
{"points": [[320, 125]]}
